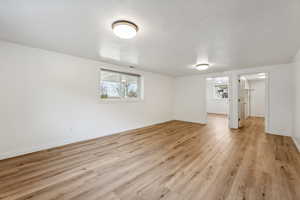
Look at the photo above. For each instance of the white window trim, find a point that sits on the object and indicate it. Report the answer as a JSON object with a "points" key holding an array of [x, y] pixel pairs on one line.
{"points": [[121, 100]]}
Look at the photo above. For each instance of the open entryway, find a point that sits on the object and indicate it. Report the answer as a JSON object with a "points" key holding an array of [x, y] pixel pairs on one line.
{"points": [[252, 98], [217, 99]]}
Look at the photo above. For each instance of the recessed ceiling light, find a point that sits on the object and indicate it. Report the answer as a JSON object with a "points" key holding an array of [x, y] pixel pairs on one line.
{"points": [[261, 74], [202, 67], [125, 29]]}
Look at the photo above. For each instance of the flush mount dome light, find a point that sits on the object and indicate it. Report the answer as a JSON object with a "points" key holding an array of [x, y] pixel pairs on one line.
{"points": [[261, 75], [125, 29], [202, 67]]}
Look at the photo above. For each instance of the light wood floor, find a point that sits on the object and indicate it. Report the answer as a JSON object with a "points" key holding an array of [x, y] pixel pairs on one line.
{"points": [[174, 160]]}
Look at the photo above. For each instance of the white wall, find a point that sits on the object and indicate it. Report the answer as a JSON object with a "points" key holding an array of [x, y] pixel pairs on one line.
{"points": [[279, 108], [296, 102], [49, 99], [213, 105], [257, 98], [189, 104]]}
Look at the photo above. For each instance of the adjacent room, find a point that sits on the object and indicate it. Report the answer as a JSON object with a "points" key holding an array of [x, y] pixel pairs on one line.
{"points": [[252, 98], [148, 100], [217, 95]]}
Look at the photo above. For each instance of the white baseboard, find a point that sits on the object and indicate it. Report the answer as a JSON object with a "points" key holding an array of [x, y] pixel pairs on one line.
{"points": [[280, 133], [42, 147], [198, 121], [192, 121], [296, 143], [36, 148]]}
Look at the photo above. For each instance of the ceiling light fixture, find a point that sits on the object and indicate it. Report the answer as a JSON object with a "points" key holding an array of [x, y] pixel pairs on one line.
{"points": [[125, 29], [261, 75], [202, 67]]}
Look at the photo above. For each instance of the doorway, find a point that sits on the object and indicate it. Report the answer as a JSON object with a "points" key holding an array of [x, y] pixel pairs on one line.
{"points": [[252, 98], [217, 99]]}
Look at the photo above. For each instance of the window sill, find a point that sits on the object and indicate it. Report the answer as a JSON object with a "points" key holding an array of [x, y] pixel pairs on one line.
{"points": [[220, 100], [109, 101]]}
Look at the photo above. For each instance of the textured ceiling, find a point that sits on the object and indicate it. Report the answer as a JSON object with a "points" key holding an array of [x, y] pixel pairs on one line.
{"points": [[174, 34]]}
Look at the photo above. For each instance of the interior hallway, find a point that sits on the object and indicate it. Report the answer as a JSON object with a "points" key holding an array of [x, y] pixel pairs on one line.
{"points": [[173, 160]]}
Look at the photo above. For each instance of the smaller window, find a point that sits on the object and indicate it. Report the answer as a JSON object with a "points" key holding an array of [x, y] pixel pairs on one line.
{"points": [[119, 85], [221, 91], [221, 87]]}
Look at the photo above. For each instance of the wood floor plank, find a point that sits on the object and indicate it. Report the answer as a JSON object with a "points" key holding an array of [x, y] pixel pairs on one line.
{"points": [[173, 160]]}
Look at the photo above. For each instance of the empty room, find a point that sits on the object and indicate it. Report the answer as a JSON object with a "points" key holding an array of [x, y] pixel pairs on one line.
{"points": [[217, 104], [148, 100]]}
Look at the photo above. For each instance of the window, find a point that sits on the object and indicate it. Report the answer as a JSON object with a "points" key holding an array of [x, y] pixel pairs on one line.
{"points": [[221, 88], [221, 91], [119, 85]]}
